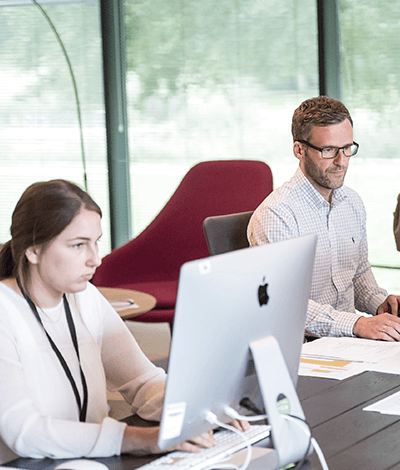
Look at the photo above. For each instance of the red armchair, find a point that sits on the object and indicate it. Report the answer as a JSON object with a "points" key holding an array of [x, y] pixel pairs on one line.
{"points": [[151, 262]]}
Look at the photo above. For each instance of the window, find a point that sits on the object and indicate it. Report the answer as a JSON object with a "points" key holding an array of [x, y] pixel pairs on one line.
{"points": [[213, 80], [39, 132], [371, 91]]}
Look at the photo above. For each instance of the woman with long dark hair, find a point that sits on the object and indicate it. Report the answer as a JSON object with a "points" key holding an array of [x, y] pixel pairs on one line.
{"points": [[61, 343]]}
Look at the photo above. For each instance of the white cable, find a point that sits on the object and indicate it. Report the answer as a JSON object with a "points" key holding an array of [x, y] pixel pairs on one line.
{"points": [[300, 422], [232, 413], [212, 418], [304, 426], [320, 454]]}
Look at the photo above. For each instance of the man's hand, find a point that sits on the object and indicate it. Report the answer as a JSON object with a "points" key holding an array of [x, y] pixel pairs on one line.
{"points": [[385, 327], [390, 305]]}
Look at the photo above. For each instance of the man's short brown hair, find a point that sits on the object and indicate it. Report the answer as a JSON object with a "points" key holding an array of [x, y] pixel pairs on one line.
{"points": [[321, 111]]}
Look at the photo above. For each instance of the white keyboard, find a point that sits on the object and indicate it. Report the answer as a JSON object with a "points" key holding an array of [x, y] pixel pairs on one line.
{"points": [[228, 442]]}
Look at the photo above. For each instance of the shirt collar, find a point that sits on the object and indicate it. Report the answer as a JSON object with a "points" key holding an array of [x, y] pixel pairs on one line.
{"points": [[313, 196]]}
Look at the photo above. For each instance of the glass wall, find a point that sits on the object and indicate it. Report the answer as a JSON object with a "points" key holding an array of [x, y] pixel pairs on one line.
{"points": [[205, 80], [371, 90], [39, 125], [213, 80]]}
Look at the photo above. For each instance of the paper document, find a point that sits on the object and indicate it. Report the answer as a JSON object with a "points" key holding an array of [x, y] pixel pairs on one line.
{"points": [[339, 358], [121, 305], [388, 406], [389, 366], [329, 368], [351, 349]]}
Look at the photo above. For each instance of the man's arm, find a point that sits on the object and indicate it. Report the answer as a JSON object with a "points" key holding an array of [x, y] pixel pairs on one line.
{"points": [[324, 320]]}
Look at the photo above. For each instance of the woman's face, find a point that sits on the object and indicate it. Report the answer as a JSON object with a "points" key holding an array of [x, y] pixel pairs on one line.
{"points": [[68, 262]]}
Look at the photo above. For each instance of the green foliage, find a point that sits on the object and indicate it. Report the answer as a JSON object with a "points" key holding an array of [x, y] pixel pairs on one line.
{"points": [[33, 64], [212, 45], [370, 53]]}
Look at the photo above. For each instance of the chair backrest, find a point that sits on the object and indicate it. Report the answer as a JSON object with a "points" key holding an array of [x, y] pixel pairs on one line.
{"points": [[226, 232], [176, 235]]}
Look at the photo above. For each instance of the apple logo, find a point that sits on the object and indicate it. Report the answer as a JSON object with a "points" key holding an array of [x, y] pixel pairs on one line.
{"points": [[263, 297]]}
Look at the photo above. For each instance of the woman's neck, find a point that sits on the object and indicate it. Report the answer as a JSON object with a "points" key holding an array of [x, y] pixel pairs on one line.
{"points": [[39, 296], [44, 299]]}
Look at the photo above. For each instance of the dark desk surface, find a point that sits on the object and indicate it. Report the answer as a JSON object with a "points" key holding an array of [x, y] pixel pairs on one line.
{"points": [[349, 437]]}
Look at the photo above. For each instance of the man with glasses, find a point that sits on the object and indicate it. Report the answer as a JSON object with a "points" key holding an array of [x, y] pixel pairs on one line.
{"points": [[315, 201]]}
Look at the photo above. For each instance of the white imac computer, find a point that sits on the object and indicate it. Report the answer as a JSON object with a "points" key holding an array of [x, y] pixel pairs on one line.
{"points": [[238, 330]]}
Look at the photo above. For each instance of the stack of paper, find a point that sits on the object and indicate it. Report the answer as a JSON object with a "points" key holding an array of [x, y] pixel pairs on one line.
{"points": [[339, 358]]}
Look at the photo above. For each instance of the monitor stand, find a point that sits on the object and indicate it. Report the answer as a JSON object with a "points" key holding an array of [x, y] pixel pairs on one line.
{"points": [[289, 441]]}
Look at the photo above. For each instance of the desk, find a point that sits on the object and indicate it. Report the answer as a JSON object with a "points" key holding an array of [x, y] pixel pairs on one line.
{"points": [[350, 438], [144, 301]]}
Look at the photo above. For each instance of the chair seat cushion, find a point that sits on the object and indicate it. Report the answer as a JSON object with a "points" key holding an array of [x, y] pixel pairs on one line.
{"points": [[164, 291]]}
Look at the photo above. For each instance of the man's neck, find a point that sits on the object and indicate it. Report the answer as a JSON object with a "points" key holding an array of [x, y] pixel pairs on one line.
{"points": [[326, 193]]}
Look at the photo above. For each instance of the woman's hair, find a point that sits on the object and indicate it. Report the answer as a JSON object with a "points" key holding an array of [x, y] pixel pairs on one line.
{"points": [[44, 210], [321, 111]]}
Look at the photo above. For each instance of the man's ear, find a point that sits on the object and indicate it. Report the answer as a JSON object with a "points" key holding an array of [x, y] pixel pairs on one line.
{"points": [[32, 254], [298, 150]]}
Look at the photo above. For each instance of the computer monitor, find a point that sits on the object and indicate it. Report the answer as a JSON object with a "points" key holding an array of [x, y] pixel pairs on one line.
{"points": [[224, 304]]}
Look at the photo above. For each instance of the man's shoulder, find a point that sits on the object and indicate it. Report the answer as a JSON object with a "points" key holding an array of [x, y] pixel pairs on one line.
{"points": [[287, 194], [280, 203]]}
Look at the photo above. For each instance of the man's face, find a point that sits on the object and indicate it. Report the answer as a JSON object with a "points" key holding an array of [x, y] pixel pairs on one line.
{"points": [[324, 174]]}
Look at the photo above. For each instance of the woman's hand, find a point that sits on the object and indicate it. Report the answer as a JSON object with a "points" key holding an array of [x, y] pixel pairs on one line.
{"points": [[240, 425], [143, 441]]}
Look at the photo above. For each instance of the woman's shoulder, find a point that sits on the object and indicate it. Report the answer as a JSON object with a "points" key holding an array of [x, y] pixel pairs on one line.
{"points": [[9, 289], [13, 307]]}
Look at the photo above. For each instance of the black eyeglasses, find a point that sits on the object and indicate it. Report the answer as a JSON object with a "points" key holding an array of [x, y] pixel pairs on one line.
{"points": [[332, 152]]}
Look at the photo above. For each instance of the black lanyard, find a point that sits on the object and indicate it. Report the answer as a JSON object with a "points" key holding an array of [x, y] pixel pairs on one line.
{"points": [[82, 407]]}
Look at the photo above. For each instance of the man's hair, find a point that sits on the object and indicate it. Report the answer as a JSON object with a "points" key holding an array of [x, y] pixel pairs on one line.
{"points": [[321, 111]]}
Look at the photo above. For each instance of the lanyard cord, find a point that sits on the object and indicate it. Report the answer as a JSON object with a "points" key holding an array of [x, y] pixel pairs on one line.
{"points": [[82, 407]]}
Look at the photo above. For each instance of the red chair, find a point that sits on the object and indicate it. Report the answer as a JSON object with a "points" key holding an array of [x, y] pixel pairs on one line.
{"points": [[151, 262]]}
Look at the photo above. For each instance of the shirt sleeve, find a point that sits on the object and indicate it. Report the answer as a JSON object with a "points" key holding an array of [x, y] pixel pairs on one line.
{"points": [[324, 320], [129, 371]]}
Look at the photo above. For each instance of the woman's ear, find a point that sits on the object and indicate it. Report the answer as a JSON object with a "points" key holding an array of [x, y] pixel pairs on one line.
{"points": [[32, 254]]}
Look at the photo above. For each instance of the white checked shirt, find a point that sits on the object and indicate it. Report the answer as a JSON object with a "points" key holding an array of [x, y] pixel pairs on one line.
{"points": [[342, 278]]}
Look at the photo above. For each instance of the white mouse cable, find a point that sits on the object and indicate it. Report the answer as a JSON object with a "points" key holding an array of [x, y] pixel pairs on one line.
{"points": [[232, 413], [305, 428], [212, 418]]}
